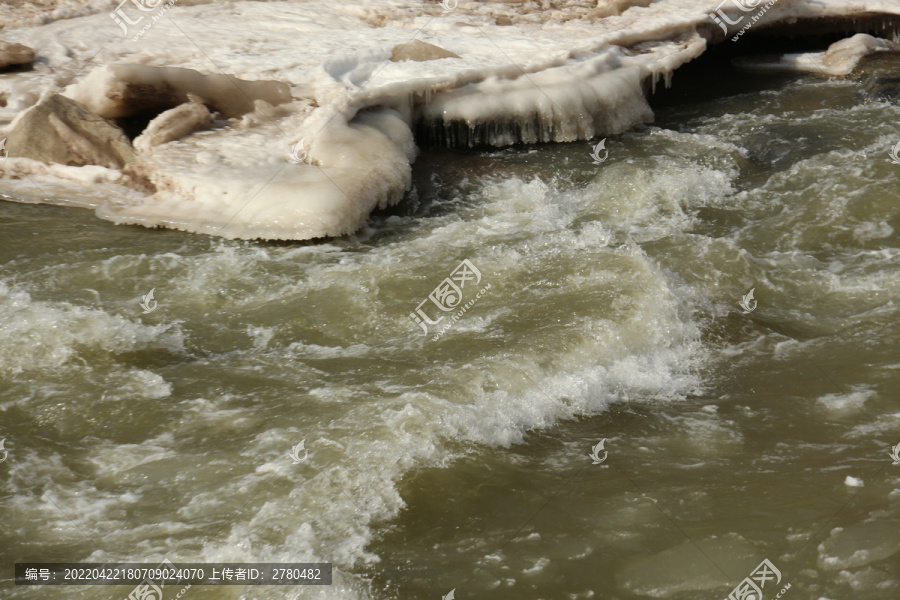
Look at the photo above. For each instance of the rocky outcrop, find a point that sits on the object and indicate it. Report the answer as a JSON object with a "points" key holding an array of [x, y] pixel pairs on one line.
{"points": [[420, 51], [13, 55], [63, 131], [174, 124]]}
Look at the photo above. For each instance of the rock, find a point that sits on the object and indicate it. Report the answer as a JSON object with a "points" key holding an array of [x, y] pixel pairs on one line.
{"points": [[63, 131], [174, 124], [420, 52], [15, 54]]}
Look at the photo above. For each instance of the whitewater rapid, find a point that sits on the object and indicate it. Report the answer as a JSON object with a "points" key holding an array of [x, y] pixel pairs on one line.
{"points": [[365, 429]]}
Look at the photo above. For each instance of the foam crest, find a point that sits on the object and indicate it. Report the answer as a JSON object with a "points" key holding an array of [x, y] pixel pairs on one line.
{"points": [[41, 335]]}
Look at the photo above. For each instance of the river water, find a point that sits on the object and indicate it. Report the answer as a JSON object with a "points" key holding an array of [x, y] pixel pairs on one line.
{"points": [[610, 312]]}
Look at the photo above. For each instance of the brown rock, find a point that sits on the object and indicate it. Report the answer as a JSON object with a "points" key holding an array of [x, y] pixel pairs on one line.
{"points": [[420, 51], [15, 54], [62, 131]]}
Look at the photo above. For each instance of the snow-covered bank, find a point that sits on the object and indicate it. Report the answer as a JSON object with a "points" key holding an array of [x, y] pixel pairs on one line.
{"points": [[313, 121]]}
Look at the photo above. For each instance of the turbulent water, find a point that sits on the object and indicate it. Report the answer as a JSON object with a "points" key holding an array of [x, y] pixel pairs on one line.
{"points": [[463, 462]]}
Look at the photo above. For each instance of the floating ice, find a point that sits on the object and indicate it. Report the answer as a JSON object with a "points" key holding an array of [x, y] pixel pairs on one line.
{"points": [[859, 545]]}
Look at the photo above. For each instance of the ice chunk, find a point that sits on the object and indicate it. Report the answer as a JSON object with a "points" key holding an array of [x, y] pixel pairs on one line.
{"points": [[358, 166], [843, 56], [174, 124], [563, 104], [859, 545], [125, 90], [839, 60]]}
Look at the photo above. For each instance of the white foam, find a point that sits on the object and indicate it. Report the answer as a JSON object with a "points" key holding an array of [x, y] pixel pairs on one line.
{"points": [[538, 566], [41, 335], [855, 400], [113, 459]]}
